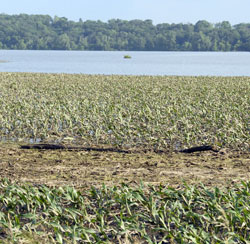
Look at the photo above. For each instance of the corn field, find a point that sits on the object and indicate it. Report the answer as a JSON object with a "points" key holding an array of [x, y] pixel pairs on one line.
{"points": [[159, 112], [127, 111], [122, 214]]}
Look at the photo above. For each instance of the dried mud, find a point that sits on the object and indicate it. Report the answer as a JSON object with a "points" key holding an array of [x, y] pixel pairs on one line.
{"points": [[83, 169]]}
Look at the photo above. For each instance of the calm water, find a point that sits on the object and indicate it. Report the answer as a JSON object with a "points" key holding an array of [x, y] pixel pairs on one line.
{"points": [[141, 63]]}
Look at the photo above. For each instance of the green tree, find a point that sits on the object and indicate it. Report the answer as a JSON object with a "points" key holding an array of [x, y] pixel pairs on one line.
{"points": [[44, 32], [203, 26], [62, 42]]}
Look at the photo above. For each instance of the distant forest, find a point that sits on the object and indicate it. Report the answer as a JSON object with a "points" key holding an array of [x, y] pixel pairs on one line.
{"points": [[42, 32]]}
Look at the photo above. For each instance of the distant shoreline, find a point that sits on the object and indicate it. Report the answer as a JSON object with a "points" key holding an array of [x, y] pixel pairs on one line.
{"points": [[43, 32]]}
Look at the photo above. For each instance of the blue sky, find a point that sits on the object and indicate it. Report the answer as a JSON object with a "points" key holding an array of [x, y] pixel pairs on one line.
{"points": [[160, 11]]}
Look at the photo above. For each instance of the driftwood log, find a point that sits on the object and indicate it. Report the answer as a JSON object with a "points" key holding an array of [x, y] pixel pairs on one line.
{"points": [[72, 148], [199, 149]]}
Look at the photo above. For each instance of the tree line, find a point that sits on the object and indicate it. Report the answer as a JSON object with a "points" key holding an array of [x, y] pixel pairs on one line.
{"points": [[42, 32]]}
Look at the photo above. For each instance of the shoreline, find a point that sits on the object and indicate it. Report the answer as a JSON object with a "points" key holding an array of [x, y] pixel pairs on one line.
{"points": [[121, 75]]}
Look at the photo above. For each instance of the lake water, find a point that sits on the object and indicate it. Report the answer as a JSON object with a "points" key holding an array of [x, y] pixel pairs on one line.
{"points": [[141, 63]]}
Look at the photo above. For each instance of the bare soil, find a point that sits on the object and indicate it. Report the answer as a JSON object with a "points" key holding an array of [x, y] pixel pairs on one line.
{"points": [[83, 169]]}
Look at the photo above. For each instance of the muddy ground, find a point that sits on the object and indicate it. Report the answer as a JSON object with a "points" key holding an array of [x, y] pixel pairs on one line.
{"points": [[84, 169]]}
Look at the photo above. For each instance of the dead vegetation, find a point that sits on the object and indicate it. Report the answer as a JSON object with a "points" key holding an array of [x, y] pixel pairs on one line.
{"points": [[87, 168]]}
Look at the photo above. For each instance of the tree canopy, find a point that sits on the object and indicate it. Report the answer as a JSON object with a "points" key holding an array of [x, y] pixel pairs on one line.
{"points": [[42, 32]]}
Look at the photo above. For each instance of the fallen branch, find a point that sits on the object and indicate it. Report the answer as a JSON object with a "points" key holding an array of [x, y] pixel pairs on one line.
{"points": [[199, 149], [72, 148]]}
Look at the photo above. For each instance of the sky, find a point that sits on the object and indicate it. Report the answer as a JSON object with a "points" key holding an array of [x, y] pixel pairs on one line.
{"points": [[160, 11]]}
